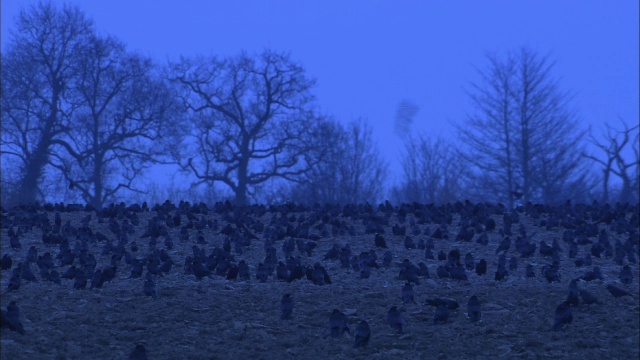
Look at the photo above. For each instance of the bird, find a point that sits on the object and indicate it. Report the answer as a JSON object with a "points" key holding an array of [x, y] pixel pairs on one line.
{"points": [[408, 296], [529, 271], [286, 307], [395, 320], [481, 268], [572, 298], [338, 323], [563, 316], [138, 353], [362, 334], [473, 308], [380, 241], [441, 314], [626, 276], [149, 287], [616, 291], [11, 318], [588, 298]]}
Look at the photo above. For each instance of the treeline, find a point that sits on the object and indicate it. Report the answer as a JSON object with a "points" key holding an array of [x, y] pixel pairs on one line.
{"points": [[84, 116]]}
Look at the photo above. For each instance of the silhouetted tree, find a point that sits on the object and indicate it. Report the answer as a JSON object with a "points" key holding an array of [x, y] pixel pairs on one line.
{"points": [[433, 172], [352, 172], [37, 68], [252, 120], [613, 146], [523, 141], [122, 112]]}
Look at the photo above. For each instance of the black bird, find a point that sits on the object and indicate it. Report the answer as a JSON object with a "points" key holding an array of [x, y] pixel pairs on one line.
{"points": [[473, 308], [7, 262], [16, 279], [281, 271], [481, 268], [442, 256], [626, 277], [80, 281], [594, 274], [11, 318], [442, 272], [395, 320], [441, 314], [139, 353], [243, 271], [262, 273], [380, 242], [588, 298], [504, 245], [54, 277], [149, 287], [469, 262], [387, 257], [286, 307], [338, 323], [563, 316], [616, 291], [362, 334], [408, 296], [97, 280], [573, 298], [232, 273], [27, 274], [529, 271]]}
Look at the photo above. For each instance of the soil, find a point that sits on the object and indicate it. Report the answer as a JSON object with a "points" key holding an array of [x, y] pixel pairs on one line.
{"points": [[219, 319]]}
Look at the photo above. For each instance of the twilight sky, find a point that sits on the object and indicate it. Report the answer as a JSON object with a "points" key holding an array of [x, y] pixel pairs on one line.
{"points": [[368, 55]]}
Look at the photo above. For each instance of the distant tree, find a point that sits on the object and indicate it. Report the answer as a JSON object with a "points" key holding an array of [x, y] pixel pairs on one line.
{"points": [[433, 172], [252, 120], [123, 110], [38, 66], [523, 141], [627, 170], [352, 172]]}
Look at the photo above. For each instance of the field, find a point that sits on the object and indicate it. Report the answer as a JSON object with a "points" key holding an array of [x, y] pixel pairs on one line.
{"points": [[215, 318]]}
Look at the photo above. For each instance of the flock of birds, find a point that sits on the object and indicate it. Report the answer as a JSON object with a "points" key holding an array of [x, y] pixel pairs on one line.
{"points": [[294, 227]]}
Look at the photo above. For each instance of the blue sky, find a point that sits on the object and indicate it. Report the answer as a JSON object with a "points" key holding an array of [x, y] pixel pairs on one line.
{"points": [[368, 55]]}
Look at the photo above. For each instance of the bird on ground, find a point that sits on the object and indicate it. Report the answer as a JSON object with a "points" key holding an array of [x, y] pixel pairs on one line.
{"points": [[380, 241], [338, 323], [149, 287], [286, 307], [473, 308], [441, 314], [563, 316], [138, 353], [626, 276], [481, 268], [573, 298], [529, 271], [395, 320], [588, 298], [408, 295], [362, 334], [616, 291], [11, 318]]}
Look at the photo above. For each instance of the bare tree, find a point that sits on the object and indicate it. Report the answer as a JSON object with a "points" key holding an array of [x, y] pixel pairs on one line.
{"points": [[37, 66], [433, 172], [613, 146], [123, 111], [353, 171], [253, 120], [523, 141]]}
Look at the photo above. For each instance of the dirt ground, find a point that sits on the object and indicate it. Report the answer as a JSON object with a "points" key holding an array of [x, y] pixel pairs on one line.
{"points": [[219, 319]]}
